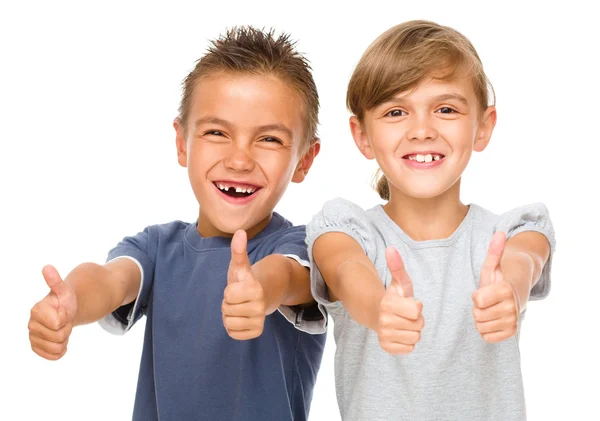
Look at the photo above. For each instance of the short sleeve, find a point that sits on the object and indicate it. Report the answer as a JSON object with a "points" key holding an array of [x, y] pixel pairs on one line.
{"points": [[337, 215], [291, 243], [534, 217], [135, 248]]}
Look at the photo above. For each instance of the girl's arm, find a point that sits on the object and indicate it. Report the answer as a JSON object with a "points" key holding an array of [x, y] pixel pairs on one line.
{"points": [[350, 276], [522, 263]]}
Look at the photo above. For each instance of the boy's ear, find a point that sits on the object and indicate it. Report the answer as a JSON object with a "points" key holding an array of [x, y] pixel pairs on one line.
{"points": [[360, 138], [180, 142], [306, 162], [486, 127]]}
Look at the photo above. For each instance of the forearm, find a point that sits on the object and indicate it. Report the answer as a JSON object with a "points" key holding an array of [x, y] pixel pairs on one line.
{"points": [[96, 294], [360, 289], [284, 281], [523, 261], [518, 270]]}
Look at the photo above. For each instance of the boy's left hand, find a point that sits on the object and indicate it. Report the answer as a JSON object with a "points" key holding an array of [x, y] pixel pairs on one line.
{"points": [[496, 308], [244, 304]]}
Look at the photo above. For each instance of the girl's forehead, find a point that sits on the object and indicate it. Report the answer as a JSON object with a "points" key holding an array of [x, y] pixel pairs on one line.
{"points": [[460, 88]]}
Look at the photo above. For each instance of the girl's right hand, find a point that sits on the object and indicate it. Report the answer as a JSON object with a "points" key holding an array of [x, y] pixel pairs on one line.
{"points": [[400, 315], [52, 318]]}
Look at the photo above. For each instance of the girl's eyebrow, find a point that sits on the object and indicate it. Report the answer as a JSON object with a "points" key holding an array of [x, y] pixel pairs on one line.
{"points": [[439, 98], [457, 97]]}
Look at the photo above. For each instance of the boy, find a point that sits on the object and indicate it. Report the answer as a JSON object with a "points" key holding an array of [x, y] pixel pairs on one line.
{"points": [[246, 128]]}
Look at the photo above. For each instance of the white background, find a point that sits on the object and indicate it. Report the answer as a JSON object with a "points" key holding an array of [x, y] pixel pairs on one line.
{"points": [[87, 98]]}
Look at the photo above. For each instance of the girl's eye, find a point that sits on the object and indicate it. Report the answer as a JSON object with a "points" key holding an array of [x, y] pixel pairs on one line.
{"points": [[396, 113], [446, 110], [271, 140]]}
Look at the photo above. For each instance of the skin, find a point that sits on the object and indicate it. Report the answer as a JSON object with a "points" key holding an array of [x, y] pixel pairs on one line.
{"points": [[440, 116], [242, 128]]}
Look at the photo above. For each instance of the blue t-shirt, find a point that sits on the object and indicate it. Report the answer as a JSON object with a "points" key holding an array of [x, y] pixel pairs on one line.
{"points": [[190, 368]]}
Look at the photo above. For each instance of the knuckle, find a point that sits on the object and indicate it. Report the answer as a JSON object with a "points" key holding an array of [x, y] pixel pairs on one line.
{"points": [[384, 320]]}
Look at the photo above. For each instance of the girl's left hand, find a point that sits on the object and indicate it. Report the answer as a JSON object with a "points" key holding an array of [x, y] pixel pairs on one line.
{"points": [[496, 306]]}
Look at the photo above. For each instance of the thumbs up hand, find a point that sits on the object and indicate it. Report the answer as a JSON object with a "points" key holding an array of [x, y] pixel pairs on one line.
{"points": [[496, 307], [244, 304], [400, 319], [51, 319]]}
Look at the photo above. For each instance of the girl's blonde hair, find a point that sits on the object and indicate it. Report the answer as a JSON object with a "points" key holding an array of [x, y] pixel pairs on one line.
{"points": [[401, 58]]}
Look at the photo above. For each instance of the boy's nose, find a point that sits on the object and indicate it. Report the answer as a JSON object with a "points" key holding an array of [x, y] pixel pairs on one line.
{"points": [[239, 160]]}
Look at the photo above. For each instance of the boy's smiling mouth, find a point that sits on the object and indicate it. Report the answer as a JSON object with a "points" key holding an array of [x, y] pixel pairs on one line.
{"points": [[236, 191]]}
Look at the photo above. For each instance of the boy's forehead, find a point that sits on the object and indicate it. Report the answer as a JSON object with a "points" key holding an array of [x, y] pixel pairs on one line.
{"points": [[247, 100]]}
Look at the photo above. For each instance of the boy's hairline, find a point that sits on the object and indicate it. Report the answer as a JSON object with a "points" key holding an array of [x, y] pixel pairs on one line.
{"points": [[306, 140]]}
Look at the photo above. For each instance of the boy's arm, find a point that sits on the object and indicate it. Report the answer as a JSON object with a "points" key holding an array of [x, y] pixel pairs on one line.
{"points": [[87, 294], [101, 289], [350, 276], [284, 281]]}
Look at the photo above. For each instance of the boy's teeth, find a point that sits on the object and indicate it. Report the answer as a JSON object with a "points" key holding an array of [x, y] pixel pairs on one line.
{"points": [[225, 187]]}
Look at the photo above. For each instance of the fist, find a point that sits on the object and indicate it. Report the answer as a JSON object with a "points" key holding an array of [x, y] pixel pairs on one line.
{"points": [[243, 304], [400, 315], [496, 310], [51, 319]]}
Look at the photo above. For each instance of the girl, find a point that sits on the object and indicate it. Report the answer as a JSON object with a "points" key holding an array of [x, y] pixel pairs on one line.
{"points": [[419, 96]]}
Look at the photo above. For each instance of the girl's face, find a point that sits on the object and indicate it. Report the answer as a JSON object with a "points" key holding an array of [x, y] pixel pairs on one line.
{"points": [[423, 139]]}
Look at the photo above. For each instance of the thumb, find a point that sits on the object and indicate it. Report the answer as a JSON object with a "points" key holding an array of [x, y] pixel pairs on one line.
{"points": [[239, 255], [54, 281], [401, 282], [492, 260]]}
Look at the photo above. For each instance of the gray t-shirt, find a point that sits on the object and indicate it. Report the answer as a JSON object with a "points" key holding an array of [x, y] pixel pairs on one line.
{"points": [[452, 374]]}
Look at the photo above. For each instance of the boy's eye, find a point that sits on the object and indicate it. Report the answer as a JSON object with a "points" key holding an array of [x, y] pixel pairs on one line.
{"points": [[271, 139], [214, 133], [396, 113], [446, 110]]}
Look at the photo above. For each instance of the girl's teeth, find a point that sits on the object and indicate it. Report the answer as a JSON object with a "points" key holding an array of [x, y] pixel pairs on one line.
{"points": [[425, 158]]}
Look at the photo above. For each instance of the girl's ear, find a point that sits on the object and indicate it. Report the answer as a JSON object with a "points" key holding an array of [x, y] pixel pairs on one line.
{"points": [[360, 137], [486, 127]]}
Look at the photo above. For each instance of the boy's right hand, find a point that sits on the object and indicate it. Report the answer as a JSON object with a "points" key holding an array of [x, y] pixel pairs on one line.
{"points": [[400, 315], [52, 318], [244, 306]]}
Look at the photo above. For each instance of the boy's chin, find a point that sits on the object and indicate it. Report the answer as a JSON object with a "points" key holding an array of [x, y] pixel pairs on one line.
{"points": [[252, 226]]}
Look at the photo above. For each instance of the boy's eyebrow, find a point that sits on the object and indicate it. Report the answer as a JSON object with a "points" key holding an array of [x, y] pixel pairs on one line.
{"points": [[276, 127], [225, 123], [212, 120]]}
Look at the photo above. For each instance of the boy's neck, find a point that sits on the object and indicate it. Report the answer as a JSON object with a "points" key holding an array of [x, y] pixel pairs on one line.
{"points": [[427, 219], [206, 228]]}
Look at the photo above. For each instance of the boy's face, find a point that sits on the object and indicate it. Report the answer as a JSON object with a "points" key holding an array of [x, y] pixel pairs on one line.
{"points": [[423, 139], [242, 148]]}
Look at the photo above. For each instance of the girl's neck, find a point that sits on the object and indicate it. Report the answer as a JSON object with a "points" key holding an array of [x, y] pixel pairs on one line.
{"points": [[427, 219]]}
